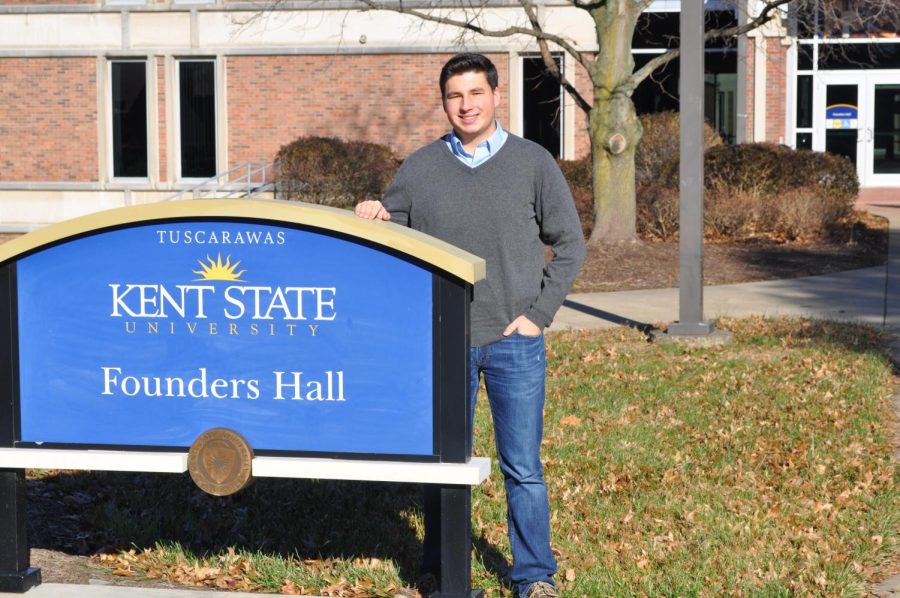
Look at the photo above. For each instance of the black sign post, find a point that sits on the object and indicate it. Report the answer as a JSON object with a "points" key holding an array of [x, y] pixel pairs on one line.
{"points": [[16, 573]]}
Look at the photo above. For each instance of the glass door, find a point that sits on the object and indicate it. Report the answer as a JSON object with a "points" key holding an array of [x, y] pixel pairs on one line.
{"points": [[882, 133], [837, 116], [857, 115]]}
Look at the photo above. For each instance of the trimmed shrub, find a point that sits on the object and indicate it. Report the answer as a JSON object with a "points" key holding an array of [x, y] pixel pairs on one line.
{"points": [[752, 189], [578, 173], [802, 215], [657, 212], [581, 183], [771, 170], [334, 172], [796, 195], [732, 215], [656, 156]]}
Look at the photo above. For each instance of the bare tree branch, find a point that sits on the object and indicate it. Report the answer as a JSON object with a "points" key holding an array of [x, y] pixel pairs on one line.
{"points": [[472, 25], [857, 18], [549, 61], [764, 16]]}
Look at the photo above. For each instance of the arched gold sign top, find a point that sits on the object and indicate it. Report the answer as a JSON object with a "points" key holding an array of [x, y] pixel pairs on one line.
{"points": [[439, 254]]}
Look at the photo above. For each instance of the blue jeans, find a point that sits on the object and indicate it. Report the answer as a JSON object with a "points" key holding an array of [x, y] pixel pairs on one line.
{"points": [[514, 370]]}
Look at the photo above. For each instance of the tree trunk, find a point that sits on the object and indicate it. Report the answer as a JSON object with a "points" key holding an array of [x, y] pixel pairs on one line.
{"points": [[614, 127], [615, 131]]}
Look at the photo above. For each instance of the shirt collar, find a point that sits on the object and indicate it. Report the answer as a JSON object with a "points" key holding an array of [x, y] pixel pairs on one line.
{"points": [[491, 144]]}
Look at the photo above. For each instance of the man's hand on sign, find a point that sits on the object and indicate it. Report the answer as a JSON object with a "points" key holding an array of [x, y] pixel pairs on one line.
{"points": [[372, 210], [524, 326]]}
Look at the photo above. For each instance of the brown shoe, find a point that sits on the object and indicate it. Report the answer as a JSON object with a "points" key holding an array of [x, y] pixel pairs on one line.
{"points": [[541, 589]]}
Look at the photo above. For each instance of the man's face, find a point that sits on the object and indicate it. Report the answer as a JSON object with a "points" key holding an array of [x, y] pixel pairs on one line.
{"points": [[469, 103]]}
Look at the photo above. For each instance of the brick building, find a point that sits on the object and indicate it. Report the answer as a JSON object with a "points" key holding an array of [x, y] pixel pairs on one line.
{"points": [[114, 102]]}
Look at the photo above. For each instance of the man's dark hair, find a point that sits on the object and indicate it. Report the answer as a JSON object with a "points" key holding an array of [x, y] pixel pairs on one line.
{"points": [[468, 62]]}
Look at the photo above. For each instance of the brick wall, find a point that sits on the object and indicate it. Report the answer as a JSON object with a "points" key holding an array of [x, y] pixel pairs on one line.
{"points": [[751, 62], [48, 119], [582, 122], [776, 78], [390, 99]]}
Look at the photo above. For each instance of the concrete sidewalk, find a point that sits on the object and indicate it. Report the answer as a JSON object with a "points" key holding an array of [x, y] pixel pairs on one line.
{"points": [[857, 295], [66, 590], [870, 295]]}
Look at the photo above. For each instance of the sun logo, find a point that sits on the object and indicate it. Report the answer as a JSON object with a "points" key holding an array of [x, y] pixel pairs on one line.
{"points": [[216, 270]]}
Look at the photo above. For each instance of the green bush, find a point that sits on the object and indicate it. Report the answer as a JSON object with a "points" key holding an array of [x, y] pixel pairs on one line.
{"points": [[334, 172]]}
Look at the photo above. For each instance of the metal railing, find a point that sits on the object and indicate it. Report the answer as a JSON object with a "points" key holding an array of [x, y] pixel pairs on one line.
{"points": [[250, 181]]}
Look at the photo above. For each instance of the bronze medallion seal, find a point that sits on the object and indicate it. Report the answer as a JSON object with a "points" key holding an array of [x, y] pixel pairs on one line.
{"points": [[220, 462]]}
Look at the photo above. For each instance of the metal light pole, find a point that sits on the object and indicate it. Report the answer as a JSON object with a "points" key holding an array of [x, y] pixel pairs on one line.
{"points": [[740, 132], [691, 82]]}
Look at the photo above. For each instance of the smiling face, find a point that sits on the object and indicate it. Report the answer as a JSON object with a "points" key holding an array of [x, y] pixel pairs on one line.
{"points": [[469, 103]]}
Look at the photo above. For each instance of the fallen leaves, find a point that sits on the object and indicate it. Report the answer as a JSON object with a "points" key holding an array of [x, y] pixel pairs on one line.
{"points": [[762, 468], [230, 571], [570, 420]]}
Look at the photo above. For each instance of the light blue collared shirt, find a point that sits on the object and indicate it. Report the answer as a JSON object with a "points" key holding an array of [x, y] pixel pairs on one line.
{"points": [[483, 152]]}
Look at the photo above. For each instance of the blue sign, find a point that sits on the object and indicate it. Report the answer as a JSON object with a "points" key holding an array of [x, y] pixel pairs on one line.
{"points": [[153, 334], [841, 112]]}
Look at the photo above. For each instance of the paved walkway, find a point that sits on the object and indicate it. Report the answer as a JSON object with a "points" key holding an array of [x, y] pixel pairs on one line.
{"points": [[870, 295]]}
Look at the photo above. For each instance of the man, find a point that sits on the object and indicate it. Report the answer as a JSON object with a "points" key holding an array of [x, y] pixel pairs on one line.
{"points": [[502, 198]]}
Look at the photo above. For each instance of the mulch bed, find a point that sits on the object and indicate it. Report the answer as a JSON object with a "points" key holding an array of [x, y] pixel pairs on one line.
{"points": [[647, 265]]}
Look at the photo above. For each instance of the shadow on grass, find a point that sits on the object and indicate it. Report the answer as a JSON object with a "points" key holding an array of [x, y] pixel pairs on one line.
{"points": [[91, 512], [643, 327], [804, 332]]}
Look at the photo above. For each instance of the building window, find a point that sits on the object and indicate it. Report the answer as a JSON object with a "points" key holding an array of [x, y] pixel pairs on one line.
{"points": [[846, 19], [659, 91], [841, 137], [804, 141], [542, 104], [657, 31], [197, 117], [804, 113], [804, 102], [805, 57], [129, 118], [859, 56], [719, 104]]}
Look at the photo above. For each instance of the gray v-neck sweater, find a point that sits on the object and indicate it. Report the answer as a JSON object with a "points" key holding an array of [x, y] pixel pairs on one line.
{"points": [[504, 210]]}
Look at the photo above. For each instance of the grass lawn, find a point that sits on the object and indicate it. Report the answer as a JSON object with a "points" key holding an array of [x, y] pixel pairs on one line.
{"points": [[760, 469]]}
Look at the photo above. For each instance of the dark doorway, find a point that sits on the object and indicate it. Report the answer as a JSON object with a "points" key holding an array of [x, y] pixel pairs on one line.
{"points": [[542, 107]]}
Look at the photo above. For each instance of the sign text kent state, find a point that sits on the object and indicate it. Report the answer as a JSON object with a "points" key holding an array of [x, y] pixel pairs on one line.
{"points": [[153, 334]]}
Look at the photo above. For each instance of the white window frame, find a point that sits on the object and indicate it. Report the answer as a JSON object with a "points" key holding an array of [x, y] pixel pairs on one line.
{"points": [[564, 109], [108, 99], [176, 126]]}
